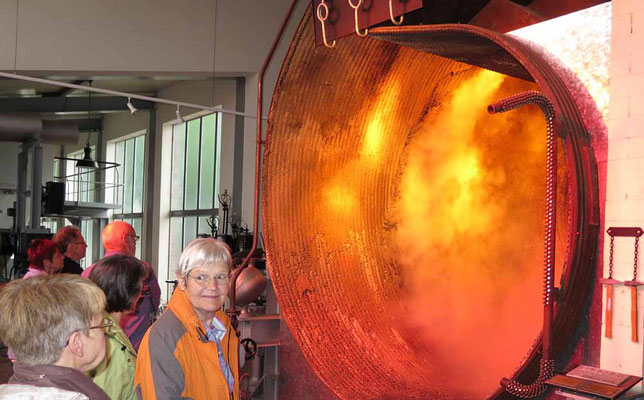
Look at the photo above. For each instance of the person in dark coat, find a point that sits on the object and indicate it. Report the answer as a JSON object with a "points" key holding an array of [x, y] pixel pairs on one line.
{"points": [[72, 245]]}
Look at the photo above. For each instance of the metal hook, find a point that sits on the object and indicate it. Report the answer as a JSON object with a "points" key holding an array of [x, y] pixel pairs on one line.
{"points": [[322, 19], [355, 10], [391, 14]]}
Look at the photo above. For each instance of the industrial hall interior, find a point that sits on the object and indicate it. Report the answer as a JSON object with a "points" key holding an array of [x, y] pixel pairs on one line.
{"points": [[321, 199]]}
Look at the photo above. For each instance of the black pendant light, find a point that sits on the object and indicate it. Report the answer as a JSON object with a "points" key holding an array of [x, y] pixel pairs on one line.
{"points": [[87, 162]]}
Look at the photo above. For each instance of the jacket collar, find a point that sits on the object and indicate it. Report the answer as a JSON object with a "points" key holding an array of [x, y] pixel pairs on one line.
{"points": [[113, 252], [115, 331], [56, 376], [186, 313], [34, 372]]}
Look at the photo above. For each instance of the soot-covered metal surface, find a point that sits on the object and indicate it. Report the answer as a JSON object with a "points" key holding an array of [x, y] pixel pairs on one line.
{"points": [[404, 225]]}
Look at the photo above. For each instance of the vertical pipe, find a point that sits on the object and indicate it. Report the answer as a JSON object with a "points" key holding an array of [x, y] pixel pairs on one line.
{"points": [[258, 153], [546, 369], [36, 187]]}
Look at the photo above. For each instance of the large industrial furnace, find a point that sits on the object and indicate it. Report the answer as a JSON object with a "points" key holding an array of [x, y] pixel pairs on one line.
{"points": [[407, 243]]}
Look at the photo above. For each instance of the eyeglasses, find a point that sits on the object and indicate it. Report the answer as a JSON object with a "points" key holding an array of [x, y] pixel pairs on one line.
{"points": [[204, 280], [81, 243], [106, 324], [136, 238]]}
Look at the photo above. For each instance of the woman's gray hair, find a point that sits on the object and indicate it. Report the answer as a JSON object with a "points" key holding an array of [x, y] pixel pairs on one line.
{"points": [[38, 314], [203, 251]]}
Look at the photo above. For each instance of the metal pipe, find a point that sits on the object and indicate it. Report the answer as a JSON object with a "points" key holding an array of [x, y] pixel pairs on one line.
{"points": [[547, 364], [258, 154], [36, 186], [15, 127], [123, 94]]}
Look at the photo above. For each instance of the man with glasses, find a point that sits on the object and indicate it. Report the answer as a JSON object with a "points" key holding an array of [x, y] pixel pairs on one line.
{"points": [[55, 325], [71, 243], [120, 238]]}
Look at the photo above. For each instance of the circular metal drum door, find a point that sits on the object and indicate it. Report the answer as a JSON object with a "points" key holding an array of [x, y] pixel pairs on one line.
{"points": [[404, 224]]}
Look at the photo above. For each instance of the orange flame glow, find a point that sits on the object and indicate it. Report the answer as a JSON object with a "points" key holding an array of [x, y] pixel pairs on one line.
{"points": [[374, 136], [469, 215]]}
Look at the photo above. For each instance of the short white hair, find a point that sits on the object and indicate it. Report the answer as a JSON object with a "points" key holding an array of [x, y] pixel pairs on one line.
{"points": [[203, 251], [39, 314]]}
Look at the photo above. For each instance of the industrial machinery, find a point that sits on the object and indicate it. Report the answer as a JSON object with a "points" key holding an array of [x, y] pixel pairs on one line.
{"points": [[408, 259], [31, 131]]}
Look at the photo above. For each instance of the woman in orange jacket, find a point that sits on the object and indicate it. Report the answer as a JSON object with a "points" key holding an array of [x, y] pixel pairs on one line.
{"points": [[191, 351]]}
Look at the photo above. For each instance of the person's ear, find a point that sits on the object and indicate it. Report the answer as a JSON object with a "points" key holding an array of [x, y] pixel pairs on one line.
{"points": [[181, 282], [76, 344], [47, 265]]}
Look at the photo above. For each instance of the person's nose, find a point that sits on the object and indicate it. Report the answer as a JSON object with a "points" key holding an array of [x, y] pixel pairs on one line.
{"points": [[212, 284]]}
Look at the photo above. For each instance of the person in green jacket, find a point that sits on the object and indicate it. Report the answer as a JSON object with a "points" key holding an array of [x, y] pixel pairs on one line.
{"points": [[121, 279]]}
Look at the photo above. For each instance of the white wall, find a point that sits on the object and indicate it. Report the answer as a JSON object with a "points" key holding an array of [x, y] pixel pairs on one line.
{"points": [[143, 37], [245, 32], [625, 184]]}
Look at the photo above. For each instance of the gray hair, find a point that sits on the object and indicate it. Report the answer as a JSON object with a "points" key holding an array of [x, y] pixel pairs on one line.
{"points": [[203, 251], [39, 314]]}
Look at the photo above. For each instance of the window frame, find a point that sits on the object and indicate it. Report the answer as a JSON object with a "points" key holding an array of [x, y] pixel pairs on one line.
{"points": [[76, 190], [118, 190], [197, 213]]}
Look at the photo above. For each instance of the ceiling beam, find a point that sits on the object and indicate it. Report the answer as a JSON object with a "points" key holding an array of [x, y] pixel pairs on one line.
{"points": [[69, 104], [84, 124], [63, 91]]}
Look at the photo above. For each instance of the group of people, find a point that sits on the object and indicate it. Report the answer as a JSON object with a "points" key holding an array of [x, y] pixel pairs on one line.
{"points": [[88, 334]]}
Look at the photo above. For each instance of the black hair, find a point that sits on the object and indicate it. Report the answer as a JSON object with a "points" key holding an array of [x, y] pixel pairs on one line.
{"points": [[121, 279]]}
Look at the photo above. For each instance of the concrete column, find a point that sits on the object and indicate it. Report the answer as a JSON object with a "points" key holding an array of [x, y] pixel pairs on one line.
{"points": [[36, 187]]}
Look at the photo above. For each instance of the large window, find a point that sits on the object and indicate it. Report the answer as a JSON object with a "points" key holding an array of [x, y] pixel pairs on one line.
{"points": [[125, 183], [79, 183], [196, 153], [87, 230]]}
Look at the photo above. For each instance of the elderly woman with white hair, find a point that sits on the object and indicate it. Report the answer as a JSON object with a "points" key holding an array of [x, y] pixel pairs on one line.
{"points": [[192, 349]]}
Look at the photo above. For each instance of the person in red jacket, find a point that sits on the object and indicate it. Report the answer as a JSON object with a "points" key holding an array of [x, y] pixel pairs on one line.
{"points": [[191, 351], [120, 238]]}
